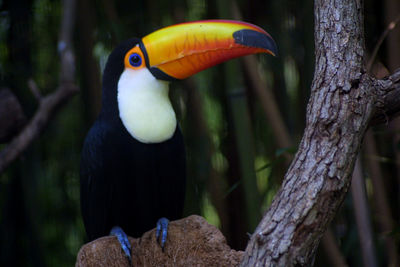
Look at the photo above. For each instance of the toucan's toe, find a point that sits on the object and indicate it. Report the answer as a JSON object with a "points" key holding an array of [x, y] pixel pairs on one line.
{"points": [[123, 241], [162, 231]]}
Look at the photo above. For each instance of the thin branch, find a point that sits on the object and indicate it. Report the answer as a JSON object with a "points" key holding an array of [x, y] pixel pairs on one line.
{"points": [[389, 28], [34, 90], [362, 216], [381, 203], [50, 103], [65, 42]]}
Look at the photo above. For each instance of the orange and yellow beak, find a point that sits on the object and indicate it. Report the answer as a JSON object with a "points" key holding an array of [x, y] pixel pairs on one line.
{"points": [[179, 51]]}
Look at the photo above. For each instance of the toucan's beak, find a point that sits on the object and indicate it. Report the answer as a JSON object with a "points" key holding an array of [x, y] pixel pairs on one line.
{"points": [[179, 51]]}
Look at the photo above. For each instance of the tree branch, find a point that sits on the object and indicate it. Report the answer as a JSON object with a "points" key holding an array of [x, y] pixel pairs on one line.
{"points": [[49, 104], [343, 100], [388, 105]]}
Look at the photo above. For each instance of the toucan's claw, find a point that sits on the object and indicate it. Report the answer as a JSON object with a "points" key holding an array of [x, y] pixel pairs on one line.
{"points": [[123, 241], [162, 231]]}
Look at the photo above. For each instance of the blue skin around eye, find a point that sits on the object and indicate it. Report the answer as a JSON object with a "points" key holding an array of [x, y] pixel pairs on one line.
{"points": [[133, 60]]}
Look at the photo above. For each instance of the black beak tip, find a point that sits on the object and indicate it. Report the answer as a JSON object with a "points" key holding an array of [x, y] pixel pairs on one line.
{"points": [[256, 39]]}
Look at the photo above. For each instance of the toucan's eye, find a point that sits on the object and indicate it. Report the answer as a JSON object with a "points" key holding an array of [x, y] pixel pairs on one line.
{"points": [[135, 60]]}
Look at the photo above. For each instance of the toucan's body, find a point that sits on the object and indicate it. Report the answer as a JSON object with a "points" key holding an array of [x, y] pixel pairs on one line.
{"points": [[133, 160], [130, 184]]}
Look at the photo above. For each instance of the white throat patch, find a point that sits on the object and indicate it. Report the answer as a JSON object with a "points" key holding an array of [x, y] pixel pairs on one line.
{"points": [[144, 106]]}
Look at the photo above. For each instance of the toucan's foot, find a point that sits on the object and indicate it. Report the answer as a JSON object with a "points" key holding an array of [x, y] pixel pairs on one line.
{"points": [[162, 231], [123, 241]]}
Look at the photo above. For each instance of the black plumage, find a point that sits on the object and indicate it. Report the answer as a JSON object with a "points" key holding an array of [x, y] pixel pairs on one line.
{"points": [[125, 182]]}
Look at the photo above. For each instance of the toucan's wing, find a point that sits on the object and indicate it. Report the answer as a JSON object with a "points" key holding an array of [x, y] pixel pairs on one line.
{"points": [[96, 186]]}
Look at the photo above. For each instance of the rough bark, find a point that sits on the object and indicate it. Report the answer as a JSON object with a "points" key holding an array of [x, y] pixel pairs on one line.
{"points": [[343, 101], [191, 242]]}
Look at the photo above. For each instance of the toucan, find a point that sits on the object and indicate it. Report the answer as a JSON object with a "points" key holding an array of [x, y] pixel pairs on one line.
{"points": [[133, 170]]}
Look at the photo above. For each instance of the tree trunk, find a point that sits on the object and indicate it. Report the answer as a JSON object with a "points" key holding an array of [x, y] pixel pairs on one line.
{"points": [[343, 101]]}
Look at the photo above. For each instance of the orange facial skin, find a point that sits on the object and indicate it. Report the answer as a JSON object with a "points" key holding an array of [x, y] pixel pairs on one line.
{"points": [[138, 51]]}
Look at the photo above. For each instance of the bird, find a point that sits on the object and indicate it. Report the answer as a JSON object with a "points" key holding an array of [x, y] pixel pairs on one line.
{"points": [[133, 163]]}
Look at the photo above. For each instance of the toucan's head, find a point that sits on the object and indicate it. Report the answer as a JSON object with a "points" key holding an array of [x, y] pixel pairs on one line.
{"points": [[139, 69]]}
